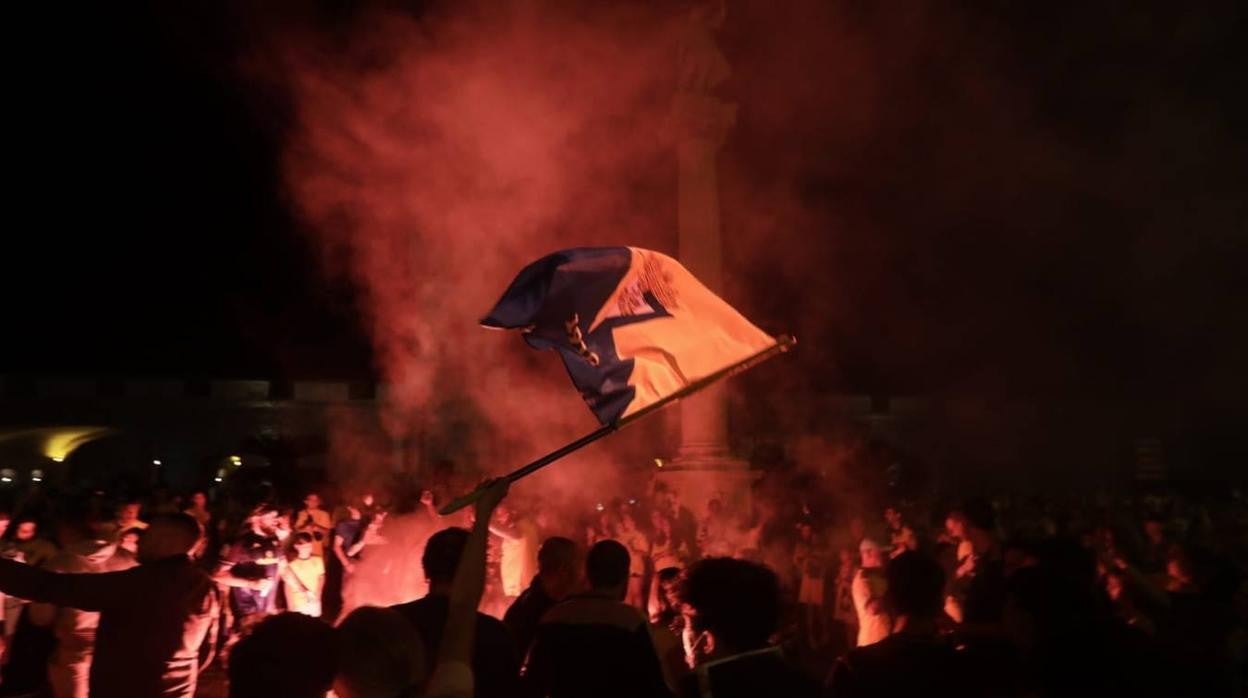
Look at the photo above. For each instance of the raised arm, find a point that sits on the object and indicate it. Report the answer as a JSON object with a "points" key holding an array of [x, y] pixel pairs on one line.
{"points": [[506, 532], [470, 581], [452, 675], [86, 592]]}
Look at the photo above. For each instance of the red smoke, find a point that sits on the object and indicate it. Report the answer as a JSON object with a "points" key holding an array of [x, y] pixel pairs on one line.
{"points": [[432, 160]]}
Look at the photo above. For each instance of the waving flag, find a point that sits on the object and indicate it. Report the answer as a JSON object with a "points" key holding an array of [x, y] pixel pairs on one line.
{"points": [[632, 326]]}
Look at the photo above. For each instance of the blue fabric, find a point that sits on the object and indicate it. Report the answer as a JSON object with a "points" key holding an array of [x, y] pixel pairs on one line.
{"points": [[577, 282]]}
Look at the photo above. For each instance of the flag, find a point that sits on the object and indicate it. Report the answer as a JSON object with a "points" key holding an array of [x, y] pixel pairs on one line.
{"points": [[632, 326]]}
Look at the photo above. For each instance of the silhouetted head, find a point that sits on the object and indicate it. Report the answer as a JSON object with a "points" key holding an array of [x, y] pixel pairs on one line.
{"points": [[734, 604], [441, 557], [559, 564], [285, 655], [606, 566], [377, 653], [168, 535]]}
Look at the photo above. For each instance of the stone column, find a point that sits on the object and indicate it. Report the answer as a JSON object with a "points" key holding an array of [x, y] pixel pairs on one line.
{"points": [[700, 121]]}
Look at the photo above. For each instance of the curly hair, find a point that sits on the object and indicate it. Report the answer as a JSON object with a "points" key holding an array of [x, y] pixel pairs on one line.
{"points": [[735, 600]]}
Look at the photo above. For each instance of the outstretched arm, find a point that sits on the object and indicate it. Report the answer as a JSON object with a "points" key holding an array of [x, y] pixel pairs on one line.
{"points": [[86, 592]]}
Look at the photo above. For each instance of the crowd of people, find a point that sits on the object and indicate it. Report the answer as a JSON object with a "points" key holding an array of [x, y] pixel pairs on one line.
{"points": [[637, 595]]}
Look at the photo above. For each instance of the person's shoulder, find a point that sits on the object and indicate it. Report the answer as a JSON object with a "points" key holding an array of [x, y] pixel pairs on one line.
{"points": [[485, 620], [898, 651], [413, 607], [493, 633], [588, 610], [687, 686]]}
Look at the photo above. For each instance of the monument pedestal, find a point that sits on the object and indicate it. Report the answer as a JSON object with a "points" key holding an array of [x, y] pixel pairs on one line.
{"points": [[698, 482]]}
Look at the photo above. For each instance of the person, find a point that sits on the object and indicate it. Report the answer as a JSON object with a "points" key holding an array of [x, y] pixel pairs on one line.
{"points": [[1180, 572], [69, 666], [979, 597], [957, 530], [666, 609], [128, 542], [902, 535], [282, 530], [452, 675], [558, 576], [844, 614], [517, 553], [25, 666], [198, 509], [313, 519], [1069, 642], [249, 568], [1119, 588], [28, 547], [732, 610], [638, 551], [605, 528], [154, 618], [667, 624], [349, 539], [665, 550], [35, 550], [128, 516], [684, 525], [868, 590], [1156, 546], [714, 535], [356, 591], [810, 556], [378, 654], [303, 578], [494, 660], [915, 660], [288, 655], [8, 551], [594, 643]]}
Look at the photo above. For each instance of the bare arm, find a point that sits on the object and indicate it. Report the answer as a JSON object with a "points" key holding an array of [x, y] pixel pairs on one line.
{"points": [[511, 534], [320, 586], [470, 582]]}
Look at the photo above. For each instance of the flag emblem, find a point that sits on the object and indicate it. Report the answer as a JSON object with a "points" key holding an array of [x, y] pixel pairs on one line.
{"points": [[632, 326]]}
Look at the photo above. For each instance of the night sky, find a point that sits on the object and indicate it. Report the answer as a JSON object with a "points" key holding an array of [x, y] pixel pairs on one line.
{"points": [[1039, 199]]}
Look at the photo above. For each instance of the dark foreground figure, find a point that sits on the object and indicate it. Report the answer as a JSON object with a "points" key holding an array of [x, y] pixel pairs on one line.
{"points": [[154, 618]]}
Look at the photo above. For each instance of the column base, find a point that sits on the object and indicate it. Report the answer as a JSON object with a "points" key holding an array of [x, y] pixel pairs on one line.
{"points": [[698, 479]]}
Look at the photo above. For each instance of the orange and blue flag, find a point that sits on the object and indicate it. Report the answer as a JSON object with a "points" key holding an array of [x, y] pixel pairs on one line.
{"points": [[632, 326]]}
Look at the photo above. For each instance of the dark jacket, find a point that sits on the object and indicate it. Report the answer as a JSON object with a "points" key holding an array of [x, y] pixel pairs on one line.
{"points": [[525, 613], [494, 661], [900, 666], [748, 675], [153, 620], [594, 646]]}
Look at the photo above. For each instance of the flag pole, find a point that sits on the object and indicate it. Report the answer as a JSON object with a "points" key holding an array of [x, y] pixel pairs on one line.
{"points": [[783, 343]]}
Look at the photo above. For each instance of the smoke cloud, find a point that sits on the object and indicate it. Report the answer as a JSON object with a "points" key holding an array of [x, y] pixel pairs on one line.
{"points": [[935, 200], [430, 159]]}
